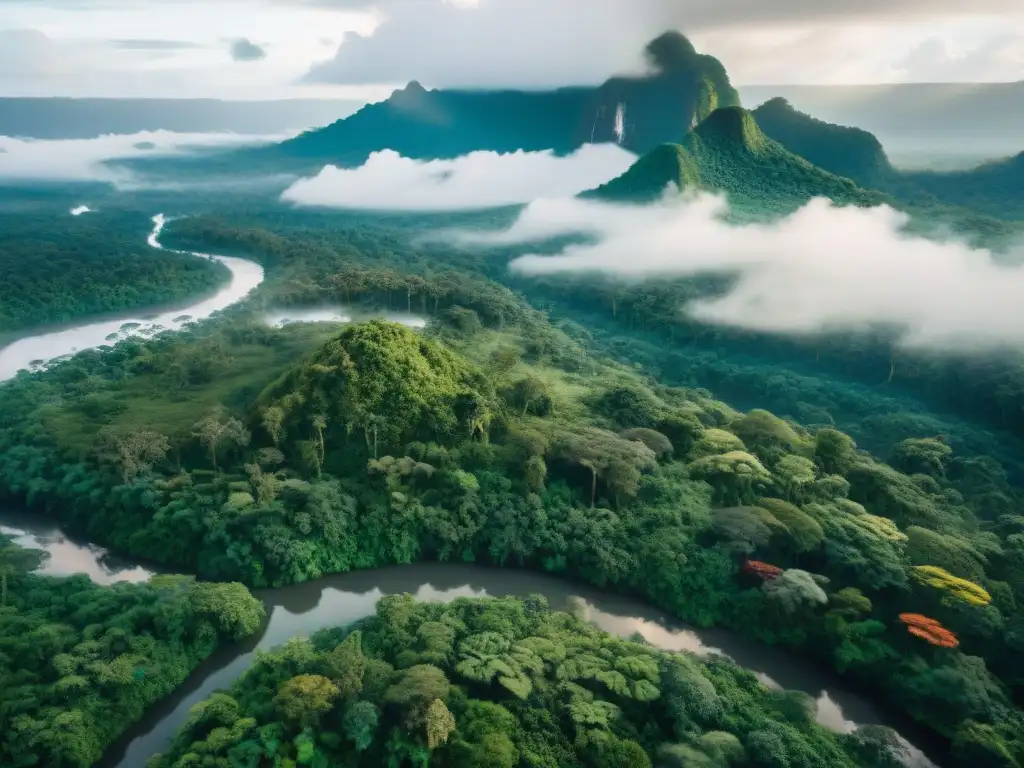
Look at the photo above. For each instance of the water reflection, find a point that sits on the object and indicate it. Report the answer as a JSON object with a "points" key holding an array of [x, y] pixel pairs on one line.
{"points": [[68, 557], [302, 609], [33, 352]]}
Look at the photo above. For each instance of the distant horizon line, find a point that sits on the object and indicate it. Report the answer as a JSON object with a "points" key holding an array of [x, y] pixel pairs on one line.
{"points": [[340, 99]]}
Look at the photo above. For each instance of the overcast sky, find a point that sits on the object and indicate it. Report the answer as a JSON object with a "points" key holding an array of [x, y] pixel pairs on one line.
{"points": [[358, 49]]}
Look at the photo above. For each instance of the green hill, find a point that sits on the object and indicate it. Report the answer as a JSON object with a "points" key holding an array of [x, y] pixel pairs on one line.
{"points": [[994, 189], [729, 152], [844, 151], [681, 88]]}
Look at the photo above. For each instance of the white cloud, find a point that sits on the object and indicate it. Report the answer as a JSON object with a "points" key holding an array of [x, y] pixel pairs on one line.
{"points": [[388, 181], [175, 47], [542, 43], [83, 159], [166, 48], [822, 268]]}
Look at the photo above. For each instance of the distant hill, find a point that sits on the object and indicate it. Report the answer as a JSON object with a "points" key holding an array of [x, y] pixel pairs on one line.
{"points": [[729, 152], [993, 189], [640, 112], [916, 120], [844, 151], [62, 118]]}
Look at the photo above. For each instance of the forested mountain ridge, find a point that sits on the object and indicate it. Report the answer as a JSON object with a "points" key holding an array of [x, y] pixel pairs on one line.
{"points": [[764, 178], [995, 188], [844, 151], [728, 152], [682, 88], [936, 119]]}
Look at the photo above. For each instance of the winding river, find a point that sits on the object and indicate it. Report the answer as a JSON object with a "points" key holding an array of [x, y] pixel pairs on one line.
{"points": [[338, 600], [302, 609], [33, 352]]}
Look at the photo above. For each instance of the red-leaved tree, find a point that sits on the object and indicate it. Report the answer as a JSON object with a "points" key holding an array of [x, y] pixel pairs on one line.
{"points": [[929, 630], [766, 571]]}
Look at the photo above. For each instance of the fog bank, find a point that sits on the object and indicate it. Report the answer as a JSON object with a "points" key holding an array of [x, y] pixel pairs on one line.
{"points": [[822, 268], [389, 181], [85, 159]]}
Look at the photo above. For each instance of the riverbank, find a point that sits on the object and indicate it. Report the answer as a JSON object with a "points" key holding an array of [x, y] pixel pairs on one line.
{"points": [[302, 609], [81, 662], [33, 350]]}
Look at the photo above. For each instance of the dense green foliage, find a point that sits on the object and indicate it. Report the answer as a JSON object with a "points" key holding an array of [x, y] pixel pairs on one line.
{"points": [[53, 270], [588, 446], [520, 446], [80, 663], [500, 683]]}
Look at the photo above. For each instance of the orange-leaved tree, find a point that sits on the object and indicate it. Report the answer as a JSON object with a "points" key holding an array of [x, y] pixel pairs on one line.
{"points": [[766, 571], [929, 630]]}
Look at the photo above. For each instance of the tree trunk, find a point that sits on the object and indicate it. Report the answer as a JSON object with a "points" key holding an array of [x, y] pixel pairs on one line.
{"points": [[3, 589], [593, 487], [892, 369]]}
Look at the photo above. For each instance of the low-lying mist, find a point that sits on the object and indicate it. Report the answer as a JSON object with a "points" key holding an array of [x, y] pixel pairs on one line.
{"points": [[87, 159], [389, 181], [823, 268]]}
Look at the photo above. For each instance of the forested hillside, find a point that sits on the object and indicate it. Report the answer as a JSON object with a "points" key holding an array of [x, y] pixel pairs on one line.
{"points": [[240, 452], [994, 189], [767, 174], [728, 152]]}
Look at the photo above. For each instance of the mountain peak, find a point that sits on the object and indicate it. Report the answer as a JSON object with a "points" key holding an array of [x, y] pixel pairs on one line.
{"points": [[649, 177], [734, 126], [639, 111], [727, 152], [670, 51], [412, 94]]}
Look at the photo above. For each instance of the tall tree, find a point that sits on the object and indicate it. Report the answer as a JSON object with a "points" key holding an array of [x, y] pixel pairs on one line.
{"points": [[134, 452], [218, 429]]}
